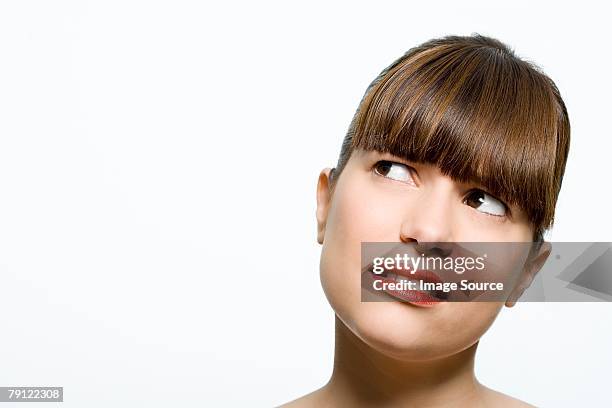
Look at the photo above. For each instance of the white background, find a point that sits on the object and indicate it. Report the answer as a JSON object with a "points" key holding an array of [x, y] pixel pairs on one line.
{"points": [[151, 150]]}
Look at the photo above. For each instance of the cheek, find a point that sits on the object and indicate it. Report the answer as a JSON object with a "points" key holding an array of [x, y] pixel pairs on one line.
{"points": [[351, 220], [355, 216], [359, 214]]}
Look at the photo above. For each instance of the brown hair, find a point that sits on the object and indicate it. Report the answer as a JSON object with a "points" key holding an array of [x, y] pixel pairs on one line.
{"points": [[470, 106]]}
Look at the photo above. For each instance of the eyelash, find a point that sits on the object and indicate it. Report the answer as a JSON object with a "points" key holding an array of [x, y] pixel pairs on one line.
{"points": [[507, 212], [375, 166], [472, 191]]}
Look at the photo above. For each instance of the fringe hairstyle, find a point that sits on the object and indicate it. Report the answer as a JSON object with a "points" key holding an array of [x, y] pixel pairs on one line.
{"points": [[470, 106]]}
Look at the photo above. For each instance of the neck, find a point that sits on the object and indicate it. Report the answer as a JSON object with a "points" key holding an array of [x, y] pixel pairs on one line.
{"points": [[363, 376]]}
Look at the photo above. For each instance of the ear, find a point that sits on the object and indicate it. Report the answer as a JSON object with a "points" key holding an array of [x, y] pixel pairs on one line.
{"points": [[323, 201], [533, 265]]}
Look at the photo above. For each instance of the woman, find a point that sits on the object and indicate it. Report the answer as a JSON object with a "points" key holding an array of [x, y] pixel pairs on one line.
{"points": [[458, 140]]}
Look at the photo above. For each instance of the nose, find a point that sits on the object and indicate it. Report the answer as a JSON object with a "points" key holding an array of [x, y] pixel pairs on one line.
{"points": [[429, 219]]}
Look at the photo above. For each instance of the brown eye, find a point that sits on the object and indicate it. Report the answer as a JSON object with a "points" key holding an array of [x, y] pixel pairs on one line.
{"points": [[485, 203], [393, 170]]}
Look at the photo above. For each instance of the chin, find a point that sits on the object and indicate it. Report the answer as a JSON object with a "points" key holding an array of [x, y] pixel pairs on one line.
{"points": [[412, 333]]}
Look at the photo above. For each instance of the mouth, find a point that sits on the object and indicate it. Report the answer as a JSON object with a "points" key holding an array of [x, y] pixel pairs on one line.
{"points": [[414, 287]]}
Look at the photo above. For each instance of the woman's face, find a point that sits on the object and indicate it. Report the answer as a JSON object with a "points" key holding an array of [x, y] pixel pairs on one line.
{"points": [[382, 198]]}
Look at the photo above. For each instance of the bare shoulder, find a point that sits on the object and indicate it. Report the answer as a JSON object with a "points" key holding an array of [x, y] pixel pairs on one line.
{"points": [[497, 399], [313, 399]]}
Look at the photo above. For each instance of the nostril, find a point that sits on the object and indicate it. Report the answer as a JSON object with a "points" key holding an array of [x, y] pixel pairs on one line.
{"points": [[407, 240], [434, 249]]}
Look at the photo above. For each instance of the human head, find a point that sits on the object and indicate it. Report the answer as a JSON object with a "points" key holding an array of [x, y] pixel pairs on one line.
{"points": [[463, 112]]}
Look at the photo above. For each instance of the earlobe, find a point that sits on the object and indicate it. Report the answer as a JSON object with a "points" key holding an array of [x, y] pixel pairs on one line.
{"points": [[532, 267], [323, 202]]}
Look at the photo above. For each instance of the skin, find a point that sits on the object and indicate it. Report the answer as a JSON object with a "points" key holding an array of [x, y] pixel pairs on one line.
{"points": [[392, 354]]}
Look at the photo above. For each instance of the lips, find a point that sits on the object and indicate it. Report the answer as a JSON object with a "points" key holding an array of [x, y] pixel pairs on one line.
{"points": [[420, 274], [416, 297]]}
